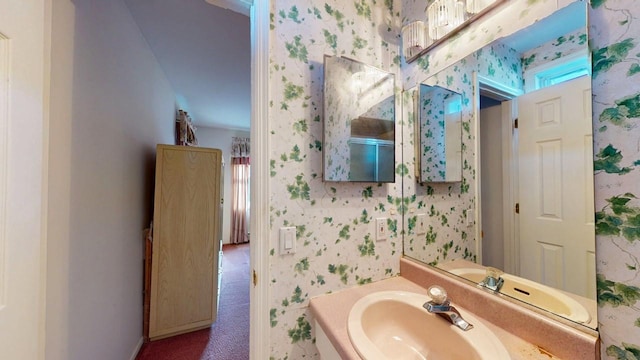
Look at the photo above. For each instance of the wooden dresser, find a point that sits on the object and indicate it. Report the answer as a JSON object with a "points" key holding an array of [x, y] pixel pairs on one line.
{"points": [[187, 222]]}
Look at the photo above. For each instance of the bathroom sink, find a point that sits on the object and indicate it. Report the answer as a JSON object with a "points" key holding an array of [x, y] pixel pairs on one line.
{"points": [[394, 325], [533, 293]]}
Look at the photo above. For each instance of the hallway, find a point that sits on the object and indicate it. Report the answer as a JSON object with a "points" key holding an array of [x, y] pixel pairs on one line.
{"points": [[228, 338]]}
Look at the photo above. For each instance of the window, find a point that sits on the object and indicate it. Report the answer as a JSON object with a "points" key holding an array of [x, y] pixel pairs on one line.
{"points": [[558, 71]]}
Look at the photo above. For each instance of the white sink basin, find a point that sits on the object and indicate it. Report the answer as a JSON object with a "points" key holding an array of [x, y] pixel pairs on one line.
{"points": [[531, 292], [394, 325]]}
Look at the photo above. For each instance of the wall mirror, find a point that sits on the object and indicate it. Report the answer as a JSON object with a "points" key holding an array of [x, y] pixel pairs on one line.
{"points": [[438, 134], [525, 202], [359, 122]]}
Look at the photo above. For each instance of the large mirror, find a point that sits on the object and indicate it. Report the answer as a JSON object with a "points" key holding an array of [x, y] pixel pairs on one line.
{"points": [[359, 122], [525, 202], [438, 134]]}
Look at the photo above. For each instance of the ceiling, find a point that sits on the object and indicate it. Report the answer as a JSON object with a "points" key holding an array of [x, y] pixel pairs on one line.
{"points": [[205, 52]]}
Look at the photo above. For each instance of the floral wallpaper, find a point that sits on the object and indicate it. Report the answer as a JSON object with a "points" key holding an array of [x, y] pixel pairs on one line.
{"points": [[440, 131], [336, 245], [571, 44], [448, 236], [613, 31], [564, 45]]}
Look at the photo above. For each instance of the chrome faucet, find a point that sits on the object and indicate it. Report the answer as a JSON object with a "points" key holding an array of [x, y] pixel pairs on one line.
{"points": [[493, 279], [441, 306]]}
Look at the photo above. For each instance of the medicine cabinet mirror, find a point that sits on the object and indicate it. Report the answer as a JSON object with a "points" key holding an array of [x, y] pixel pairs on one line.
{"points": [[359, 122]]}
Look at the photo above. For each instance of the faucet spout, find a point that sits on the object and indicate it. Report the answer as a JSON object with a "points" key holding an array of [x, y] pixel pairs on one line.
{"points": [[454, 317], [449, 313], [493, 279]]}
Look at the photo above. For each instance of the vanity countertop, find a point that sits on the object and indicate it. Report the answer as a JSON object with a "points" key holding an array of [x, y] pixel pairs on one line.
{"points": [[332, 311]]}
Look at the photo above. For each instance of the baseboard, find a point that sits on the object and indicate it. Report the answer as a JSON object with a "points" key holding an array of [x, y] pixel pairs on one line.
{"points": [[137, 349]]}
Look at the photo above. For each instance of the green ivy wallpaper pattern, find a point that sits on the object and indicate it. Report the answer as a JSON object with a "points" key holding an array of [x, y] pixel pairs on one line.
{"points": [[435, 133], [325, 214], [336, 245], [564, 45], [446, 204], [613, 32]]}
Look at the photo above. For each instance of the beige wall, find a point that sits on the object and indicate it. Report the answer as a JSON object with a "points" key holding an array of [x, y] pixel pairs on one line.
{"points": [[221, 139], [110, 105]]}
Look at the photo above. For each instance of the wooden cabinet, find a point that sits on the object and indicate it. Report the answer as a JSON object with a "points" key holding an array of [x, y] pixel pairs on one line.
{"points": [[186, 240]]}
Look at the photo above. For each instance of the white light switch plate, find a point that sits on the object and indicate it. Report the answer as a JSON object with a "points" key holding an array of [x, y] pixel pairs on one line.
{"points": [[381, 229], [287, 240]]}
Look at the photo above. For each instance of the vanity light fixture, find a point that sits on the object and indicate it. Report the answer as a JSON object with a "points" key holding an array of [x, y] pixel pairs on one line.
{"points": [[444, 16], [475, 6], [414, 39]]}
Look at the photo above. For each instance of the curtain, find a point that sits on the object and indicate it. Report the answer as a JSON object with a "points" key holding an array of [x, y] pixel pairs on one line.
{"points": [[240, 204], [240, 147]]}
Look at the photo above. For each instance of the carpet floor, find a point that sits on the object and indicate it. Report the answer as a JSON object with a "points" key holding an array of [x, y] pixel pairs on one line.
{"points": [[228, 337]]}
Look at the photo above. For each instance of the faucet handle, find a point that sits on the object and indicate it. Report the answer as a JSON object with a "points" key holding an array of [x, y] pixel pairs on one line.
{"points": [[437, 294]]}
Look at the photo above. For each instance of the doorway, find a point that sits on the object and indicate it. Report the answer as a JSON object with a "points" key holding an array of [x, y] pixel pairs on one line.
{"points": [[491, 189], [195, 58], [497, 168]]}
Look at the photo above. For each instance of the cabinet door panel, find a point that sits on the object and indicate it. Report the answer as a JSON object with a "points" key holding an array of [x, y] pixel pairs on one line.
{"points": [[185, 249]]}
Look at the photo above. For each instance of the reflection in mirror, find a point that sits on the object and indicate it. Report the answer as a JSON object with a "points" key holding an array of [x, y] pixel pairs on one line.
{"points": [[439, 135], [359, 122], [542, 170], [444, 20]]}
